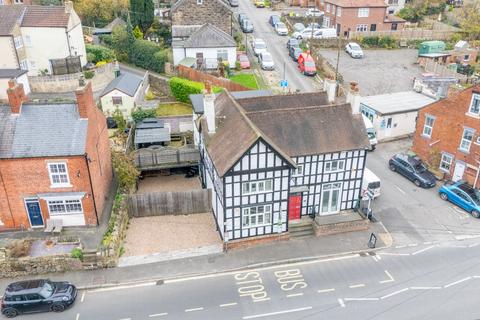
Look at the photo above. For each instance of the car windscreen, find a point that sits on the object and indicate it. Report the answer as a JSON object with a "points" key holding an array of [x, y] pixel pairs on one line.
{"points": [[355, 47], [310, 64], [474, 194], [374, 185], [260, 45], [281, 25], [47, 290], [420, 168], [267, 58]]}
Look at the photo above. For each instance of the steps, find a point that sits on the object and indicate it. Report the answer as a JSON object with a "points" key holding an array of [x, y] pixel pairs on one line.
{"points": [[301, 229]]}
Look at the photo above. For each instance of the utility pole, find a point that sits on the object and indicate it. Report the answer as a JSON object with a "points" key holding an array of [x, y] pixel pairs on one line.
{"points": [[336, 68]]}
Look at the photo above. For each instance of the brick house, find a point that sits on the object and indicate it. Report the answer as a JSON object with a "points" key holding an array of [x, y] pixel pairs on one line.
{"points": [[54, 161], [449, 130], [10, 2], [359, 15]]}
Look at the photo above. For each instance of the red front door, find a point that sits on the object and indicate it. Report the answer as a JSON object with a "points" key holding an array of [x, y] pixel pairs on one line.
{"points": [[294, 207]]}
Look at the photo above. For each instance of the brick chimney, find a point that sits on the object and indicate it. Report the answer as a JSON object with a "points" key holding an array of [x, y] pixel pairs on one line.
{"points": [[16, 96], [85, 101]]}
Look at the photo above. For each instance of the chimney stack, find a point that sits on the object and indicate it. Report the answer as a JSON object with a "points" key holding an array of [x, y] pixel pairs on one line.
{"points": [[85, 102], [329, 85], [16, 96], [353, 97], [68, 6], [209, 107]]}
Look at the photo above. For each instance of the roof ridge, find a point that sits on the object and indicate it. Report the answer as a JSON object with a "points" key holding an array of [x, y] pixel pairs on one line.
{"points": [[291, 94], [291, 109]]}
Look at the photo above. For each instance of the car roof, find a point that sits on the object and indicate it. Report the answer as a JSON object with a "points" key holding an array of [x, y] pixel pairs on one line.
{"points": [[24, 287], [354, 43], [259, 40]]}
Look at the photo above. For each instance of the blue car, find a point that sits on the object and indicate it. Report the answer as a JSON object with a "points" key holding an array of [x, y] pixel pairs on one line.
{"points": [[463, 195]]}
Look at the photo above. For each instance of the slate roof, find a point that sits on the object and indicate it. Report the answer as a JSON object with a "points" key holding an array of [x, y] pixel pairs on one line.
{"points": [[127, 82], [152, 135], [11, 73], [45, 16], [42, 131], [9, 15], [197, 99], [291, 130], [399, 102], [209, 36], [184, 31]]}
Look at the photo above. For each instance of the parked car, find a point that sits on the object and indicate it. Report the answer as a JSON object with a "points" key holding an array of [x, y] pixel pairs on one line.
{"points": [[314, 25], [37, 296], [274, 19], [281, 29], [354, 50], [413, 169], [266, 61], [325, 33], [247, 26], [244, 62], [306, 64], [292, 42], [260, 3], [241, 17], [297, 27], [305, 33], [463, 195], [259, 46], [313, 12], [233, 3], [294, 53], [370, 182]]}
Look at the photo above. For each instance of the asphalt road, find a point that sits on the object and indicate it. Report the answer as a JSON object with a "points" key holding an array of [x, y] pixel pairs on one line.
{"points": [[423, 281], [276, 45]]}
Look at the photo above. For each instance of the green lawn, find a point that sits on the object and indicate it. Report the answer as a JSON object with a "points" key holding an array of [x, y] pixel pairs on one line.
{"points": [[245, 79], [173, 109]]}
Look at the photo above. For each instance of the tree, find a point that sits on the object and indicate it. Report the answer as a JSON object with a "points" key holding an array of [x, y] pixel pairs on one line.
{"points": [[470, 20], [125, 171], [416, 10], [94, 12], [142, 13], [120, 120], [138, 33]]}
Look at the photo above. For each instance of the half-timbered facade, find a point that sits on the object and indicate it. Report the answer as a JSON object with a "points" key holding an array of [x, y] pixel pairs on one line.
{"points": [[270, 160]]}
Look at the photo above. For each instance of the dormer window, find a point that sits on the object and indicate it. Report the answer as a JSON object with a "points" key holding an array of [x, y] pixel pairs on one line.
{"points": [[475, 105]]}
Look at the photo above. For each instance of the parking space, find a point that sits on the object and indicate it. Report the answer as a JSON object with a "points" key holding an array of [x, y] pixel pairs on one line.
{"points": [[159, 182], [380, 71]]}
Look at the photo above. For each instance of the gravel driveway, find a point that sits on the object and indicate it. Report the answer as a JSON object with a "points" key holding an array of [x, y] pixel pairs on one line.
{"points": [[380, 71]]}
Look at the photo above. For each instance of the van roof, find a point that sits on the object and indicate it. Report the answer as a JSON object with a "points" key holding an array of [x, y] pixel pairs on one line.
{"points": [[369, 175]]}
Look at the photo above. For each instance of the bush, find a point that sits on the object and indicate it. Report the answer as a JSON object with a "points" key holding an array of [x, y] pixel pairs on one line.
{"points": [[387, 42], [90, 57], [125, 171], [140, 114], [370, 41], [100, 53], [138, 33], [89, 74], [20, 248], [238, 67], [148, 55], [182, 88], [77, 253], [101, 63], [149, 95]]}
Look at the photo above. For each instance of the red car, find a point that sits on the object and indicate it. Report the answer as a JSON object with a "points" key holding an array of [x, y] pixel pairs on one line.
{"points": [[244, 62]]}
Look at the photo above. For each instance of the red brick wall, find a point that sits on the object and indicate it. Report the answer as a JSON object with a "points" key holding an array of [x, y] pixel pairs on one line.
{"points": [[450, 119]]}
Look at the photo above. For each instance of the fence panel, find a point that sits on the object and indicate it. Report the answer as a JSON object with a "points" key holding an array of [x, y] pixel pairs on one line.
{"points": [[169, 203], [199, 76]]}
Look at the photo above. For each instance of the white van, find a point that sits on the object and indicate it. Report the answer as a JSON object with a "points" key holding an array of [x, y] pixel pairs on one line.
{"points": [[370, 182], [371, 132], [325, 33]]}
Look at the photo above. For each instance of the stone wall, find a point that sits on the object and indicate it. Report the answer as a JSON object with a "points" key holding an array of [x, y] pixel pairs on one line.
{"points": [[341, 227], [29, 266], [159, 83]]}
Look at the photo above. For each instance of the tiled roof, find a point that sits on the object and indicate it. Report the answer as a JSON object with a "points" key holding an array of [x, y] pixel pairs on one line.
{"points": [[209, 36], [197, 99], [45, 16], [358, 3], [9, 15]]}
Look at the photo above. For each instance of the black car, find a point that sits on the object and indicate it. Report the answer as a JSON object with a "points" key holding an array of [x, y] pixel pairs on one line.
{"points": [[294, 53], [292, 42], [37, 296], [412, 168]]}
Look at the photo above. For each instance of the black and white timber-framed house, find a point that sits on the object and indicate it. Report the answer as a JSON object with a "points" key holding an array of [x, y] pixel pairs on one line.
{"points": [[270, 160]]}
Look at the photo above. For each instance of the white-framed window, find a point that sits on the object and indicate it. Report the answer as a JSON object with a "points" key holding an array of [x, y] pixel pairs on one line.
{"points": [[33, 65], [333, 9], [467, 138], [257, 216], [362, 27], [339, 11], [390, 2], [328, 7], [58, 172], [446, 162], [428, 126], [298, 171], [18, 42], [222, 54], [334, 166], [199, 1], [475, 105], [28, 41], [363, 12], [59, 207], [117, 101], [466, 57], [24, 65], [255, 187]]}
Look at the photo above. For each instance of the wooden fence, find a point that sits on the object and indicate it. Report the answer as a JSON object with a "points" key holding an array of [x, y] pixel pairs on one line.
{"points": [[164, 157], [407, 34], [199, 76], [169, 203]]}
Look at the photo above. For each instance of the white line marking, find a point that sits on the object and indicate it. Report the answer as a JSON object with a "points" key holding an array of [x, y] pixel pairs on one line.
{"points": [[83, 296], [413, 244], [228, 304], [428, 242], [374, 258], [146, 284], [342, 304], [360, 285], [390, 278], [399, 247], [457, 282], [126, 319], [467, 236], [398, 188], [275, 313], [361, 299], [294, 295], [326, 290], [473, 245], [423, 250], [394, 293], [194, 309], [476, 277], [425, 288], [78, 316], [158, 315], [379, 258], [260, 300], [393, 254]]}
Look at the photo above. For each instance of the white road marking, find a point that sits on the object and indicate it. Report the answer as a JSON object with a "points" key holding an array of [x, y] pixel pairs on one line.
{"points": [[326, 290], [425, 288], [126, 319], [228, 304], [457, 282], [194, 309], [428, 242], [467, 236], [83, 296], [473, 245], [476, 277], [138, 285], [393, 254], [78, 316], [375, 258], [360, 285], [379, 258], [158, 315], [422, 250], [390, 278], [294, 295], [276, 313], [394, 293], [413, 244], [342, 304], [260, 300], [399, 189], [402, 246], [360, 299]]}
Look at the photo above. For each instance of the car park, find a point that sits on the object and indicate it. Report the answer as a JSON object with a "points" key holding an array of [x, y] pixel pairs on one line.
{"points": [[260, 3], [314, 12], [247, 26], [294, 53], [273, 20], [243, 60], [413, 169], [281, 29], [33, 296], [292, 42], [266, 61], [463, 195], [259, 46], [354, 50]]}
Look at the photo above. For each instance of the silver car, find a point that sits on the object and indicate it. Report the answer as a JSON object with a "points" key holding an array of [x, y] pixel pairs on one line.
{"points": [[266, 61], [259, 46]]}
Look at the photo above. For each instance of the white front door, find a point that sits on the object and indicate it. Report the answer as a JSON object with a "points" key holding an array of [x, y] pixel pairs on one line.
{"points": [[459, 169], [330, 202], [388, 127]]}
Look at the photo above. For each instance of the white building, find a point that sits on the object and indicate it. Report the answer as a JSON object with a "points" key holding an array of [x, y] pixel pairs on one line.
{"points": [[394, 115], [34, 38]]}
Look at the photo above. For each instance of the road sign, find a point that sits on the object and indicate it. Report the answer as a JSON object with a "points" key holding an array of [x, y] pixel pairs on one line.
{"points": [[283, 83]]}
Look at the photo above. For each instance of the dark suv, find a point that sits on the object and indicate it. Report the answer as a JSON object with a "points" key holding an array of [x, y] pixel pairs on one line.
{"points": [[413, 169], [37, 296]]}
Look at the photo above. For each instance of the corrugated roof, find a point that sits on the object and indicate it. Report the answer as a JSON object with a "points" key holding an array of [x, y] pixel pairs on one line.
{"points": [[127, 82], [11, 73], [197, 99], [209, 36], [45, 16], [9, 16], [399, 102]]}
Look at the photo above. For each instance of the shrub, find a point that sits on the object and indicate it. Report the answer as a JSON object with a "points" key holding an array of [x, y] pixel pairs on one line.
{"points": [[182, 88], [77, 253], [149, 95], [370, 41], [140, 114], [138, 33], [237, 65], [90, 57], [100, 53], [148, 55], [125, 171], [20, 248], [89, 74], [387, 42], [101, 63]]}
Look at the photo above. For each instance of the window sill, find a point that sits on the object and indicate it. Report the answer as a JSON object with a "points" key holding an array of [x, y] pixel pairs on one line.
{"points": [[444, 170], [254, 193], [58, 186], [473, 115], [464, 151], [426, 137]]}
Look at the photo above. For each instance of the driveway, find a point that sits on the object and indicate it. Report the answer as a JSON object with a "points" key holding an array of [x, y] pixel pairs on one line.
{"points": [[380, 71], [415, 215]]}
